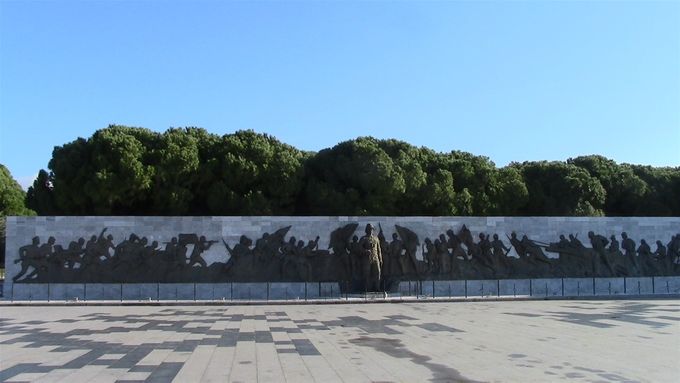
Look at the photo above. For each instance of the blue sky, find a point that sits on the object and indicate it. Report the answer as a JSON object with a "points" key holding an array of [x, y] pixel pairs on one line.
{"points": [[513, 81]]}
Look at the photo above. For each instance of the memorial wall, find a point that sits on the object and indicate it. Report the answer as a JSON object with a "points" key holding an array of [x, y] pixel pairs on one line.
{"points": [[359, 253]]}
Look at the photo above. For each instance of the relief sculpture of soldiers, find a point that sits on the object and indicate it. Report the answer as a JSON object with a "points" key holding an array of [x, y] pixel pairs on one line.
{"points": [[369, 258]]}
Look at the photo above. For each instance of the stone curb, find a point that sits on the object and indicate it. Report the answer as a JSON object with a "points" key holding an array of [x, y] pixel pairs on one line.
{"points": [[333, 301]]}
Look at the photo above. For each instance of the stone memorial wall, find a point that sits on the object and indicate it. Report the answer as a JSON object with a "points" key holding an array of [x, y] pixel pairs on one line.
{"points": [[352, 254]]}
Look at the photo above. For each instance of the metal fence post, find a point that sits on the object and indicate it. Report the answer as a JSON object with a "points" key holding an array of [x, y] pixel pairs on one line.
{"points": [[531, 288]]}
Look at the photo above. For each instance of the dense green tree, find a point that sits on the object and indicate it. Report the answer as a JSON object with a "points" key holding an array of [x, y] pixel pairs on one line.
{"points": [[353, 178], [417, 197], [256, 174], [625, 191], [109, 173], [177, 162], [477, 175], [438, 196], [560, 189], [40, 196], [12, 199], [122, 170], [12, 196], [188, 171], [508, 193], [663, 198]]}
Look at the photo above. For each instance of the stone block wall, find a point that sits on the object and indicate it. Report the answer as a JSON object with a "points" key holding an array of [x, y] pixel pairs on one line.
{"points": [[20, 231]]}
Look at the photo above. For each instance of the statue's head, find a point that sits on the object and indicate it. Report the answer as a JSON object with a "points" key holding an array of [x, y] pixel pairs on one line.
{"points": [[481, 235], [513, 234], [173, 240], [395, 236], [591, 234], [292, 241], [81, 241], [202, 238], [613, 237], [450, 233], [495, 236], [369, 229], [642, 241], [562, 237], [355, 238], [93, 238], [51, 240], [154, 244], [442, 237], [624, 235], [301, 243], [35, 240], [571, 236]]}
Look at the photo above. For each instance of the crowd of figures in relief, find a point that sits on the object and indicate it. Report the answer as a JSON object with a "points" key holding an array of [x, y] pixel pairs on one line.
{"points": [[370, 260]]}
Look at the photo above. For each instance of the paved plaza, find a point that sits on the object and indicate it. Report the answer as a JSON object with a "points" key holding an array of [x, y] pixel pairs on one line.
{"points": [[514, 341]]}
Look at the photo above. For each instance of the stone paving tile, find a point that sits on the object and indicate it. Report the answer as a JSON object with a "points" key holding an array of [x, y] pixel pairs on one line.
{"points": [[475, 341], [27, 377], [165, 372]]}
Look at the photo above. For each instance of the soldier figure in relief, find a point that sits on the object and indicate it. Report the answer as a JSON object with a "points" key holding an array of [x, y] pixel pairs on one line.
{"points": [[396, 254], [30, 257], [371, 258], [628, 245]]}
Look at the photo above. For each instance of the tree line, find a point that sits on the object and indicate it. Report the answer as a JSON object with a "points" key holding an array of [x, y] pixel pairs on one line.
{"points": [[188, 171]]}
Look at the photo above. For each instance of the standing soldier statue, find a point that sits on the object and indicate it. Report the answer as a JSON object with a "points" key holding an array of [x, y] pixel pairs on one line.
{"points": [[371, 258]]}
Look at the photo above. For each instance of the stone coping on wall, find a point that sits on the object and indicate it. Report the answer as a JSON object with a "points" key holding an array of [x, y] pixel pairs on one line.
{"points": [[281, 292], [173, 291], [544, 287]]}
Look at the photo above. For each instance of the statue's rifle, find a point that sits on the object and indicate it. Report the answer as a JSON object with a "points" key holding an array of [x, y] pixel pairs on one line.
{"points": [[381, 234], [542, 244], [228, 248]]}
